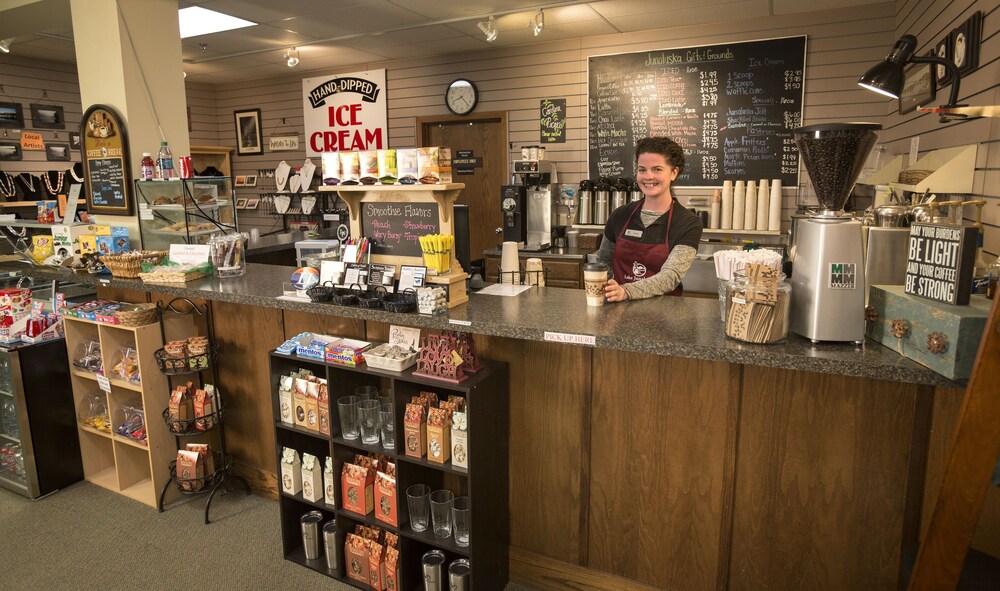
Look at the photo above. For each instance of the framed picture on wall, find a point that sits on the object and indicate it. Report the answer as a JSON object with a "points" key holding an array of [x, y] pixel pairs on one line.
{"points": [[240, 181], [918, 88], [965, 44], [252, 203], [943, 51], [248, 133], [250, 181], [47, 116], [241, 203], [74, 140], [58, 152], [11, 115], [10, 151]]}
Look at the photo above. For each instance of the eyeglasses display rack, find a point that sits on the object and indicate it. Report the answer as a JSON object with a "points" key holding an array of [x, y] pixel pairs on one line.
{"points": [[484, 481], [181, 320]]}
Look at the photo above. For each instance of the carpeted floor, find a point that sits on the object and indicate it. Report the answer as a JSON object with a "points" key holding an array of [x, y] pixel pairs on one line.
{"points": [[85, 537]]}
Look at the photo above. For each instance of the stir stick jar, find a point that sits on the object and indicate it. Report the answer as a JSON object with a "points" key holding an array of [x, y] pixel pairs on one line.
{"points": [[228, 254], [757, 306]]}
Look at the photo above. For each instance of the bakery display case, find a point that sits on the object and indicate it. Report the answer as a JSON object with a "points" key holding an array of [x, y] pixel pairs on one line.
{"points": [[184, 211]]}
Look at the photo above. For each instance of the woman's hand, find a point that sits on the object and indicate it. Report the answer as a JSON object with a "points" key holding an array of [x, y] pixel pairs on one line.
{"points": [[614, 292]]}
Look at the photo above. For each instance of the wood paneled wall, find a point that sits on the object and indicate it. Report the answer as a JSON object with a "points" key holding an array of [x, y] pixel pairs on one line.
{"points": [[842, 44]]}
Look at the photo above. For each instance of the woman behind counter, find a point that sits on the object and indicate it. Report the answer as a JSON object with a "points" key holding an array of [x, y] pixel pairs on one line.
{"points": [[650, 244]]}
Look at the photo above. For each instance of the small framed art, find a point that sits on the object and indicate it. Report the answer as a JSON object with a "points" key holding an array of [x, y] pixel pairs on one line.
{"points": [[47, 117], [918, 87], [248, 134], [11, 115]]}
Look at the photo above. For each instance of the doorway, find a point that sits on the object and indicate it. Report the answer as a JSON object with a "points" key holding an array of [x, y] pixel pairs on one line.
{"points": [[482, 141]]}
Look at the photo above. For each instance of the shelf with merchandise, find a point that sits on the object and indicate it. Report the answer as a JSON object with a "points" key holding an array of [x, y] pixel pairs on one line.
{"points": [[185, 211]]}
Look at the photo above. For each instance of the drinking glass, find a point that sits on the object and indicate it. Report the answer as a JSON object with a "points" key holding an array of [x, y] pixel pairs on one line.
{"points": [[461, 512], [347, 407], [441, 501], [368, 421], [416, 503], [388, 427], [366, 392]]}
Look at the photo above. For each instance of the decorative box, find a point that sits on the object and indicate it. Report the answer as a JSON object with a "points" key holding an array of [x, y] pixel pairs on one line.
{"points": [[15, 299], [291, 471], [356, 554], [299, 408], [285, 400], [414, 430], [328, 479], [392, 568], [385, 499], [315, 347], [459, 440], [347, 352], [376, 558], [356, 486], [941, 336], [312, 479], [438, 435], [324, 408]]}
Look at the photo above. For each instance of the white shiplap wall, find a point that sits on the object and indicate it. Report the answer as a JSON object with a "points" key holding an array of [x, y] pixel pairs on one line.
{"points": [[842, 43]]}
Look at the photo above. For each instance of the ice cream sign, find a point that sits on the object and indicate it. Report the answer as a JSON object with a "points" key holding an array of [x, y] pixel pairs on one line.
{"points": [[345, 113]]}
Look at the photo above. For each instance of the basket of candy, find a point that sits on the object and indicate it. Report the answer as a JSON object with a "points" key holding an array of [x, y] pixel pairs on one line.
{"points": [[129, 264], [188, 356]]}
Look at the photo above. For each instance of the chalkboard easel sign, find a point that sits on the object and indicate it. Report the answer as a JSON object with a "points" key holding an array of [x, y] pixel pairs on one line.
{"points": [[731, 106], [106, 162], [397, 227]]}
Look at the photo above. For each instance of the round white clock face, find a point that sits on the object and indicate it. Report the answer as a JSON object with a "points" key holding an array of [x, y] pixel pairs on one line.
{"points": [[461, 97]]}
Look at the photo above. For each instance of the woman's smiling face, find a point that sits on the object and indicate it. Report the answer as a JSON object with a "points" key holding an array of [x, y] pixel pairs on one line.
{"points": [[654, 175]]}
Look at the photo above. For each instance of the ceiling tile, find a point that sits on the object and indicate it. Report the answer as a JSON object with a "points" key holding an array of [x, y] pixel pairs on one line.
{"points": [[377, 15], [438, 10], [238, 41]]}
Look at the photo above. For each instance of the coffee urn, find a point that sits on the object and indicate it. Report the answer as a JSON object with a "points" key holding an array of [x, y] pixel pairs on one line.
{"points": [[828, 267], [636, 193], [619, 195], [586, 203], [602, 195]]}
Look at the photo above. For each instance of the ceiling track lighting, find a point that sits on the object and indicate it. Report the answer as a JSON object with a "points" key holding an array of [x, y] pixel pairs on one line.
{"points": [[291, 57], [538, 23], [5, 45], [489, 28]]}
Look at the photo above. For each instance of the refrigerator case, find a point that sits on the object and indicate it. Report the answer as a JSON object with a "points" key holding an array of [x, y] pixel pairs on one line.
{"points": [[39, 442]]}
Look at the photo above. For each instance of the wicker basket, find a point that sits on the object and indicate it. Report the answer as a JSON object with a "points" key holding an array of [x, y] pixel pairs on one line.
{"points": [[136, 314], [129, 264], [912, 177]]}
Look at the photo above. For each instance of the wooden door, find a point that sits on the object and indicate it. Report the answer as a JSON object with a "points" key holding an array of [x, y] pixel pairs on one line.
{"points": [[485, 135]]}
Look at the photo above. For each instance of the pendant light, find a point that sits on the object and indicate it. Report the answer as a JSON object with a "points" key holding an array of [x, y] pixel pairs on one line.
{"points": [[5, 45], [538, 23], [292, 59]]}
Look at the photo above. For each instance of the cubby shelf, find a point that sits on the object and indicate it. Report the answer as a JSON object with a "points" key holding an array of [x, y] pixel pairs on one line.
{"points": [[485, 481]]}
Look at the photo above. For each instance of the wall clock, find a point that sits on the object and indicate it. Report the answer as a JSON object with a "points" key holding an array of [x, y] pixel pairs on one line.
{"points": [[461, 97]]}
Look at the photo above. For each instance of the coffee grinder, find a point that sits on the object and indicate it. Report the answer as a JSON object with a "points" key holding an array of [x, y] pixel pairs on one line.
{"points": [[828, 277], [528, 203]]}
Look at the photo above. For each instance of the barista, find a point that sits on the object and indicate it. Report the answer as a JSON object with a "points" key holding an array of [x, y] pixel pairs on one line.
{"points": [[650, 244]]}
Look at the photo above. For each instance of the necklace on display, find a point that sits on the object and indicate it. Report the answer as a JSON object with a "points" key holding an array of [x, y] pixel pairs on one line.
{"points": [[7, 188], [59, 183], [72, 172], [30, 183]]}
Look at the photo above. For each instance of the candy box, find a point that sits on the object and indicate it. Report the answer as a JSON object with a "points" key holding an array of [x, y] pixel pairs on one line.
{"points": [[376, 558], [285, 399], [88, 244], [386, 498], [312, 478], [347, 352], [414, 430], [206, 455], [356, 558], [105, 245], [291, 471], [204, 409], [323, 403], [356, 488], [314, 346], [438, 435], [299, 408], [15, 299], [328, 480], [392, 571], [180, 408], [459, 440], [190, 470]]}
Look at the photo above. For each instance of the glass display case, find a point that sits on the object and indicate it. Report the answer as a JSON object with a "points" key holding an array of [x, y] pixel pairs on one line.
{"points": [[184, 211], [39, 446]]}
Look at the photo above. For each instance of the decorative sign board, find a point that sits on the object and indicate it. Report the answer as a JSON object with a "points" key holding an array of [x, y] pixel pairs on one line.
{"points": [[552, 121], [31, 140], [939, 262], [283, 143], [345, 112], [106, 162], [397, 226], [731, 106]]}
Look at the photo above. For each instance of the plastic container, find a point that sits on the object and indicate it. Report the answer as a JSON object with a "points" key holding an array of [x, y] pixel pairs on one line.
{"points": [[757, 308], [229, 255]]}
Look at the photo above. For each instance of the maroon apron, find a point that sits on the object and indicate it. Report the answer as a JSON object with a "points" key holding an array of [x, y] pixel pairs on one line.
{"points": [[634, 260]]}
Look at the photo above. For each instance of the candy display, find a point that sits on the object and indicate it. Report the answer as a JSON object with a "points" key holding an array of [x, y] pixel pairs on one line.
{"points": [[8, 419], [93, 412], [88, 356], [127, 365], [12, 462], [131, 422]]}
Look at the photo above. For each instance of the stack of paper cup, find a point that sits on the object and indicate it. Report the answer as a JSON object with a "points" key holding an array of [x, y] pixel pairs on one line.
{"points": [[535, 275], [510, 271]]}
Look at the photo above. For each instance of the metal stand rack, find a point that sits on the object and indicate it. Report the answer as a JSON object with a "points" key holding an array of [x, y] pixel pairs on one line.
{"points": [[221, 478]]}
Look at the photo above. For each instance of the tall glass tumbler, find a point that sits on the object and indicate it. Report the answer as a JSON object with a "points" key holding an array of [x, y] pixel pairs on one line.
{"points": [[441, 501], [367, 392], [388, 426], [368, 421], [461, 512], [416, 503], [347, 408]]}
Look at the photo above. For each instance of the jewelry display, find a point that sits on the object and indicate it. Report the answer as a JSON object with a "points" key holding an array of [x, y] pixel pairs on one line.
{"points": [[281, 203], [308, 203], [7, 188], [294, 183], [72, 171], [54, 191], [281, 175], [30, 183], [306, 172]]}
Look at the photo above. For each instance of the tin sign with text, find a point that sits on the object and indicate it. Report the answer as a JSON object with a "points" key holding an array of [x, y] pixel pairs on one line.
{"points": [[345, 113]]}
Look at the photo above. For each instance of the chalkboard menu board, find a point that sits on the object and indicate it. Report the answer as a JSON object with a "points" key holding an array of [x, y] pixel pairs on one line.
{"points": [[730, 106], [397, 227], [106, 161]]}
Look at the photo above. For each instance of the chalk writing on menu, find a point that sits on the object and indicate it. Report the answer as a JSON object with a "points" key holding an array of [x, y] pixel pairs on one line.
{"points": [[552, 121], [397, 227], [106, 182], [732, 107]]}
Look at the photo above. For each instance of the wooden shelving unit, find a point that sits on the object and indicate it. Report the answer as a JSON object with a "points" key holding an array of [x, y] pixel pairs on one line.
{"points": [[485, 480], [111, 461]]}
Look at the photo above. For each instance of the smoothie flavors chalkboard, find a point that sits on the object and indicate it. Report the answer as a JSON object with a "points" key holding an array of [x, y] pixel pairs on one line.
{"points": [[396, 227], [732, 107]]}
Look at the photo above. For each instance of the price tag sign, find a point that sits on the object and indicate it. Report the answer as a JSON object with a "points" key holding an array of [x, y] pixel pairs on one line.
{"points": [[104, 383], [189, 254]]}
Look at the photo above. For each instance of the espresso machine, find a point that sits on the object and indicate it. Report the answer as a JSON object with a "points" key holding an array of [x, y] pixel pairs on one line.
{"points": [[529, 206], [828, 267]]}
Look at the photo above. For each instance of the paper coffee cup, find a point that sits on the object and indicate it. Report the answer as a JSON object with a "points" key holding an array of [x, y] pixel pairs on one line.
{"points": [[595, 277]]}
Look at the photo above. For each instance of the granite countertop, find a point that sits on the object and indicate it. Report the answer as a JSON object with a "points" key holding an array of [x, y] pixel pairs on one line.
{"points": [[681, 327], [550, 253]]}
